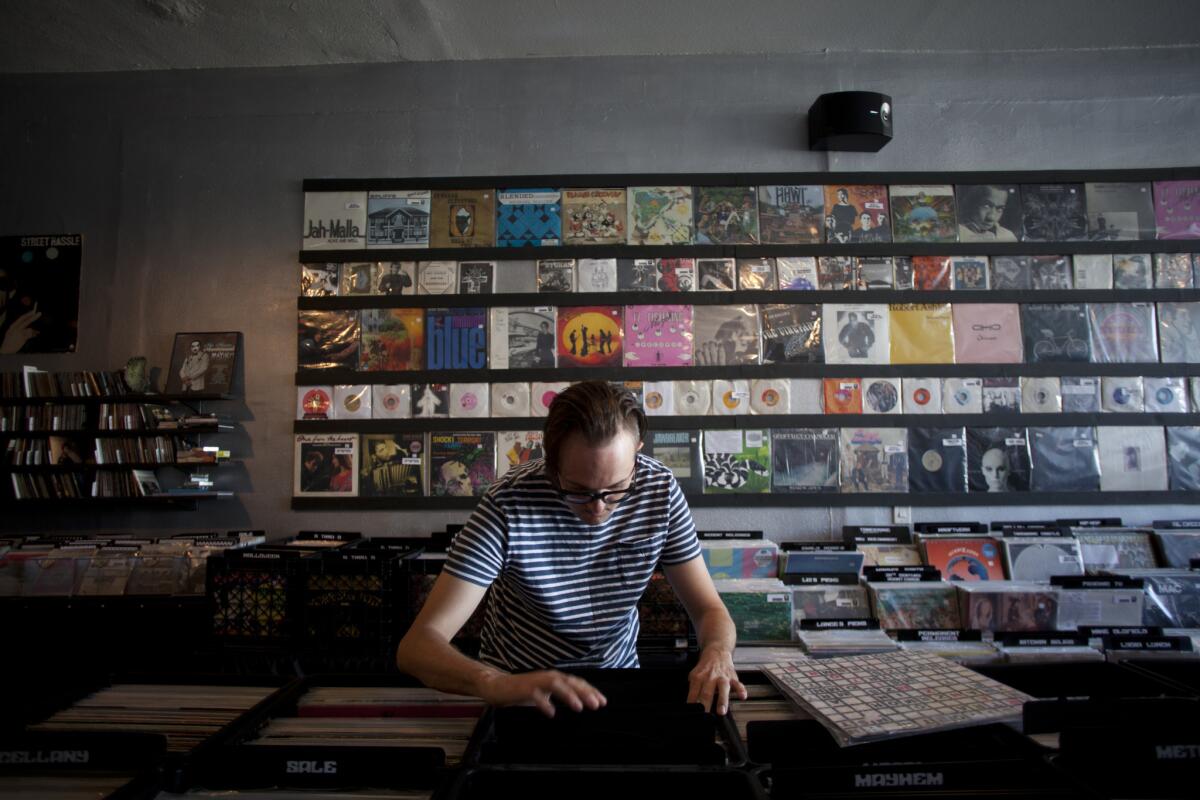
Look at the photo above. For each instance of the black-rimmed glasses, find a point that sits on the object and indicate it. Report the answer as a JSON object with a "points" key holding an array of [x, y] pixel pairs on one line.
{"points": [[611, 497]]}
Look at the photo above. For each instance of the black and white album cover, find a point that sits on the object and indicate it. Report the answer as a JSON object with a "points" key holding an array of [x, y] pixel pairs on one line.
{"points": [[637, 275], [1094, 271], [937, 460], [988, 212], [804, 460], [1080, 395], [725, 335], [791, 334], [1133, 458], [393, 465], [1179, 332], [856, 333], [476, 277], [1056, 332], [596, 275], [1050, 272], [997, 460], [39, 293], [1011, 273], [1119, 211], [1054, 212], [556, 275], [203, 363], [1183, 452], [1064, 459], [1001, 395], [874, 272], [715, 274]]}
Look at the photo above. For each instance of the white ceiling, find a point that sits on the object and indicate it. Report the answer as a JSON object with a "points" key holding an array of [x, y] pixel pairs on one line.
{"points": [[39, 36]]}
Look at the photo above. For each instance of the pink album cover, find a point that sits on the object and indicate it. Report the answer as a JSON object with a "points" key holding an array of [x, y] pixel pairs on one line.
{"points": [[987, 333], [658, 336], [1177, 209]]}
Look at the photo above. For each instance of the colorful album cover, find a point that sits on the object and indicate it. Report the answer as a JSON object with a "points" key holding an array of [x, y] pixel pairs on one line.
{"points": [[874, 460], [1064, 459], [716, 274], [1177, 209], [828, 602], [528, 217], [456, 338], [1056, 332], [726, 215], [1132, 271], [314, 402], [804, 460], [902, 273], [791, 214], [556, 275], [725, 335], [360, 277], [969, 272], [462, 218], [335, 221], [797, 274], [461, 464], [857, 213], [923, 605], [328, 340], [594, 216], [1050, 272], [967, 559], [596, 275], [1123, 333], [398, 219], [679, 451], [1133, 458], [1012, 273], [203, 363], [660, 215], [921, 333], [658, 336], [437, 277], [522, 338], [397, 278], [988, 212], [393, 465], [1054, 212], [393, 339], [1183, 454], [1179, 332], [736, 461], [326, 465], [791, 334], [923, 214], [319, 280], [1119, 211], [937, 460], [873, 273], [589, 336], [856, 333], [836, 273], [516, 449], [1008, 606], [997, 460], [931, 273], [637, 275], [676, 274], [476, 277], [1001, 395], [1173, 271], [756, 273], [842, 395]]}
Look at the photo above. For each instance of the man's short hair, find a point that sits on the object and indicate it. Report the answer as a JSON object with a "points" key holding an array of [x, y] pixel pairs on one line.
{"points": [[597, 410]]}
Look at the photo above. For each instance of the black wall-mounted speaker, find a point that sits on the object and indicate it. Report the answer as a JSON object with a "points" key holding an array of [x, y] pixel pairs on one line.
{"points": [[855, 121]]}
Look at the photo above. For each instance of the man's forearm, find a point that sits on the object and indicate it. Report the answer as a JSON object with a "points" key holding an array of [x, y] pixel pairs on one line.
{"points": [[715, 629], [439, 665]]}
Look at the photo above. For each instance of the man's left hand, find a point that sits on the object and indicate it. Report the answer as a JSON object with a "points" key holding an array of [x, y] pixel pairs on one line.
{"points": [[713, 679]]}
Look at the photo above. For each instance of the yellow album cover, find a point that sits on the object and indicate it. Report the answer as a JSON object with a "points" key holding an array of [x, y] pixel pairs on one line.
{"points": [[922, 333]]}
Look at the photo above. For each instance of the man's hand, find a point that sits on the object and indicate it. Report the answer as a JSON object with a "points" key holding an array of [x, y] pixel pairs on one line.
{"points": [[20, 332], [714, 678], [538, 688]]}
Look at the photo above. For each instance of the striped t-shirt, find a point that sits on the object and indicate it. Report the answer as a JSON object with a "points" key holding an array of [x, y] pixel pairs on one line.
{"points": [[564, 593]]}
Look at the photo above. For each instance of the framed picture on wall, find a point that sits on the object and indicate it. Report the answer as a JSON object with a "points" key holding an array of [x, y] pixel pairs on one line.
{"points": [[203, 363]]}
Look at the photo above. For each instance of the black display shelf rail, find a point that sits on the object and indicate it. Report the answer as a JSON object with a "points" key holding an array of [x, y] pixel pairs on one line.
{"points": [[815, 499], [157, 502], [151, 399], [134, 433], [604, 783], [326, 377], [65, 468]]}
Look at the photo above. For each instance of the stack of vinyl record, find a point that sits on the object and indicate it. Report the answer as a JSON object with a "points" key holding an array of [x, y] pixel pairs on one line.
{"points": [[842, 642]]}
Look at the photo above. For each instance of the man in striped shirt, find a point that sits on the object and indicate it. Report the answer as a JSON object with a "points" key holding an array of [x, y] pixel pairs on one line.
{"points": [[567, 545]]}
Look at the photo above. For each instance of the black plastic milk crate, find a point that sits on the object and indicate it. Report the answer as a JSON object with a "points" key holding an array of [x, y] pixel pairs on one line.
{"points": [[351, 602], [252, 596], [599, 783], [1184, 675]]}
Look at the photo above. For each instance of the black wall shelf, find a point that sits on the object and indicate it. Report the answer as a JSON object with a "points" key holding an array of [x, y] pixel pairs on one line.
{"points": [[152, 399]]}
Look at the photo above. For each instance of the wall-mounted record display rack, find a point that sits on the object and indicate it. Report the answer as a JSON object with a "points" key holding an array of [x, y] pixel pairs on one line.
{"points": [[1090, 243]]}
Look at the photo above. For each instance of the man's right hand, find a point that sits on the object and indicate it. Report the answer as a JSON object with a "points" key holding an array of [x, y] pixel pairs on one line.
{"points": [[540, 688]]}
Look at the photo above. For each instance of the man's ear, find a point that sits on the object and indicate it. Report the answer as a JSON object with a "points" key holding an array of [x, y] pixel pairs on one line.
{"points": [[639, 447]]}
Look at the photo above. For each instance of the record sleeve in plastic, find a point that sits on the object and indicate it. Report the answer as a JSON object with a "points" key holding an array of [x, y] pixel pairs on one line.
{"points": [[1132, 458], [1064, 459], [791, 214], [1122, 394], [658, 398], [997, 460], [769, 396], [730, 398], [391, 401], [836, 273], [881, 395], [658, 336], [806, 396], [516, 449], [1056, 332], [660, 215], [676, 274], [988, 212], [431, 400], [1132, 271], [969, 272], [637, 275], [461, 463], [797, 273], [756, 274], [352, 402], [966, 559], [590, 336], [1041, 396], [556, 275], [856, 213], [931, 273], [1054, 212], [328, 339], [518, 276], [725, 335], [314, 402], [874, 272], [1050, 272], [335, 221], [437, 277], [987, 333], [319, 280], [1092, 271], [393, 465], [679, 450], [921, 333], [842, 395], [922, 395], [716, 274], [1119, 211], [856, 333], [1179, 332], [1165, 395], [692, 398], [594, 216], [471, 400], [1039, 559], [874, 460], [521, 337], [542, 394], [804, 460], [1123, 333], [923, 213], [596, 275], [791, 333], [326, 465], [726, 214], [510, 399], [902, 272], [1173, 271], [1001, 395], [736, 461], [1080, 395], [962, 395], [937, 460]]}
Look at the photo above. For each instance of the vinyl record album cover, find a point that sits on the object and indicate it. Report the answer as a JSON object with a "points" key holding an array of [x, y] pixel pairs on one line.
{"points": [[1041, 395], [1064, 459], [1132, 271], [791, 214], [988, 332], [675, 274], [791, 334], [556, 275], [923, 214], [462, 218], [804, 460], [756, 274], [1123, 333], [352, 401], [1183, 453], [658, 398], [1054, 212], [873, 273], [461, 464], [1092, 271], [1056, 332], [470, 400], [806, 396], [902, 272], [518, 276], [716, 274], [856, 333], [842, 395], [931, 273], [881, 395], [437, 277], [736, 461], [391, 401], [476, 277], [922, 395], [589, 336], [726, 214], [431, 400], [1050, 272], [1173, 271], [596, 275], [1080, 395], [836, 273], [1122, 394], [204, 363], [314, 402], [510, 399], [966, 559], [393, 465], [857, 213], [730, 398], [921, 333], [1110, 550], [528, 217], [692, 398], [398, 218], [988, 212], [997, 460], [770, 396], [1177, 209], [930, 605], [456, 338], [874, 460], [1011, 273], [516, 449], [658, 336], [1009, 606], [725, 335], [660, 215], [327, 340], [937, 460], [1119, 211], [1165, 395], [1001, 395], [637, 275], [400, 277], [1133, 458], [359, 278], [594, 216], [679, 451], [1179, 332], [326, 465], [335, 220], [319, 280], [962, 395], [1040, 559], [393, 339], [542, 394], [522, 337], [968, 273]]}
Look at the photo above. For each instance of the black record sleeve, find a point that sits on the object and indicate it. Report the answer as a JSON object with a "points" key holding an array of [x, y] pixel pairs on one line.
{"points": [[1055, 332], [1064, 459], [937, 460], [997, 460]]}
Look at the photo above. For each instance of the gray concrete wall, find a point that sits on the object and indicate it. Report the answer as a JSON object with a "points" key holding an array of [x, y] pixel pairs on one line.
{"points": [[186, 186]]}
